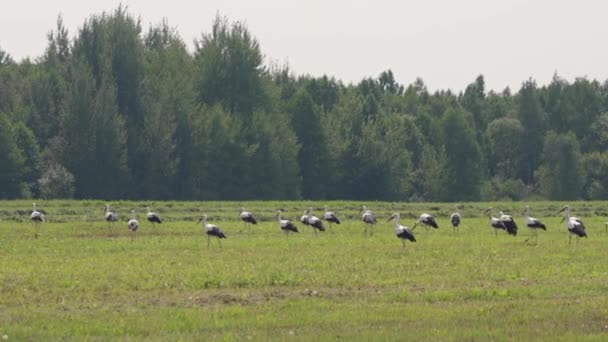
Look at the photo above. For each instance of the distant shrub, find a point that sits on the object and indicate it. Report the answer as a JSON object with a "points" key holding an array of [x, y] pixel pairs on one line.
{"points": [[56, 182]]}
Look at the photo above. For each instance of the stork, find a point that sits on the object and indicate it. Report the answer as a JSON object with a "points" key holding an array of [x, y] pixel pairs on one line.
{"points": [[133, 224], [153, 217], [314, 222], [369, 219], [428, 221], [286, 225], [330, 217], [574, 224], [455, 219], [247, 218], [212, 230], [304, 218], [37, 217], [494, 222], [402, 232], [110, 217], [509, 223], [533, 224]]}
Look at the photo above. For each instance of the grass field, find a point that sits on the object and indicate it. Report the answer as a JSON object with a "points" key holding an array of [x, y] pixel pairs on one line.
{"points": [[78, 281]]}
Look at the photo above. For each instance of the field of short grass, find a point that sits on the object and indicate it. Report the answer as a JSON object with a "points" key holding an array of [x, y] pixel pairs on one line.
{"points": [[78, 280]]}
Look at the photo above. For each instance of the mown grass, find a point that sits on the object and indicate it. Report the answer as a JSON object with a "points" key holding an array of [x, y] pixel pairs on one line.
{"points": [[79, 281]]}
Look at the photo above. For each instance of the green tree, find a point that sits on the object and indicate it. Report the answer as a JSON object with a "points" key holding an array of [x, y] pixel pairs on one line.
{"points": [[313, 157], [561, 175], [505, 139], [273, 171], [532, 118], [30, 172], [169, 101], [229, 68], [463, 154], [49, 86], [596, 166], [220, 155], [473, 101], [95, 139], [111, 47], [11, 161]]}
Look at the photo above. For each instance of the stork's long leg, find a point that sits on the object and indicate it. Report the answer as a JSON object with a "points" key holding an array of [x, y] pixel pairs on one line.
{"points": [[220, 242], [208, 240]]}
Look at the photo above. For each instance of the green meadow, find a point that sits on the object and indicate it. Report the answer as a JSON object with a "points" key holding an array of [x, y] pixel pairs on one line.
{"points": [[82, 280]]}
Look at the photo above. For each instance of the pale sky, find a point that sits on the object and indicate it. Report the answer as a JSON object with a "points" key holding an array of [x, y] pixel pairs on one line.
{"points": [[447, 43]]}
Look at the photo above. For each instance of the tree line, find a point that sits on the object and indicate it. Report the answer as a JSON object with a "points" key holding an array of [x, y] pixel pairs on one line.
{"points": [[116, 111]]}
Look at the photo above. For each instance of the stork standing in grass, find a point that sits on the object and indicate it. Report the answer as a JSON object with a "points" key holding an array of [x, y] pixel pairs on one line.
{"points": [[133, 224], [315, 222], [495, 222], [369, 219], [304, 218], [509, 223], [153, 217], [110, 217], [212, 230], [247, 218], [330, 217], [37, 217], [402, 232], [455, 220], [286, 225], [533, 224], [574, 224], [427, 221]]}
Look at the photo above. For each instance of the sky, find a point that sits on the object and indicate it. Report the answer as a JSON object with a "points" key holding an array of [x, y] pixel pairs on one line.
{"points": [[447, 43]]}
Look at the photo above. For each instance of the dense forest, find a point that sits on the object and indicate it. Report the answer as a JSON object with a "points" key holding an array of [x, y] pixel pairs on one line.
{"points": [[115, 111]]}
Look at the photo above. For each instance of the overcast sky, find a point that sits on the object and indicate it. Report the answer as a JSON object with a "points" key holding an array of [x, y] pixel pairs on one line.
{"points": [[447, 43]]}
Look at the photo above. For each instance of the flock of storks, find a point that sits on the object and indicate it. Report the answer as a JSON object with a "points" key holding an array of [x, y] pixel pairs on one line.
{"points": [[503, 222]]}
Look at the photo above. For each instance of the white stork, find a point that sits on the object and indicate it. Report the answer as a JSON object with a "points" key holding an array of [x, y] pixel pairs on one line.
{"points": [[315, 222], [133, 224], [402, 232], [110, 217], [427, 221], [153, 217], [247, 218], [509, 223], [574, 224], [286, 225], [36, 217], [533, 224], [455, 219], [495, 222], [212, 230], [369, 219], [330, 217], [304, 218]]}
